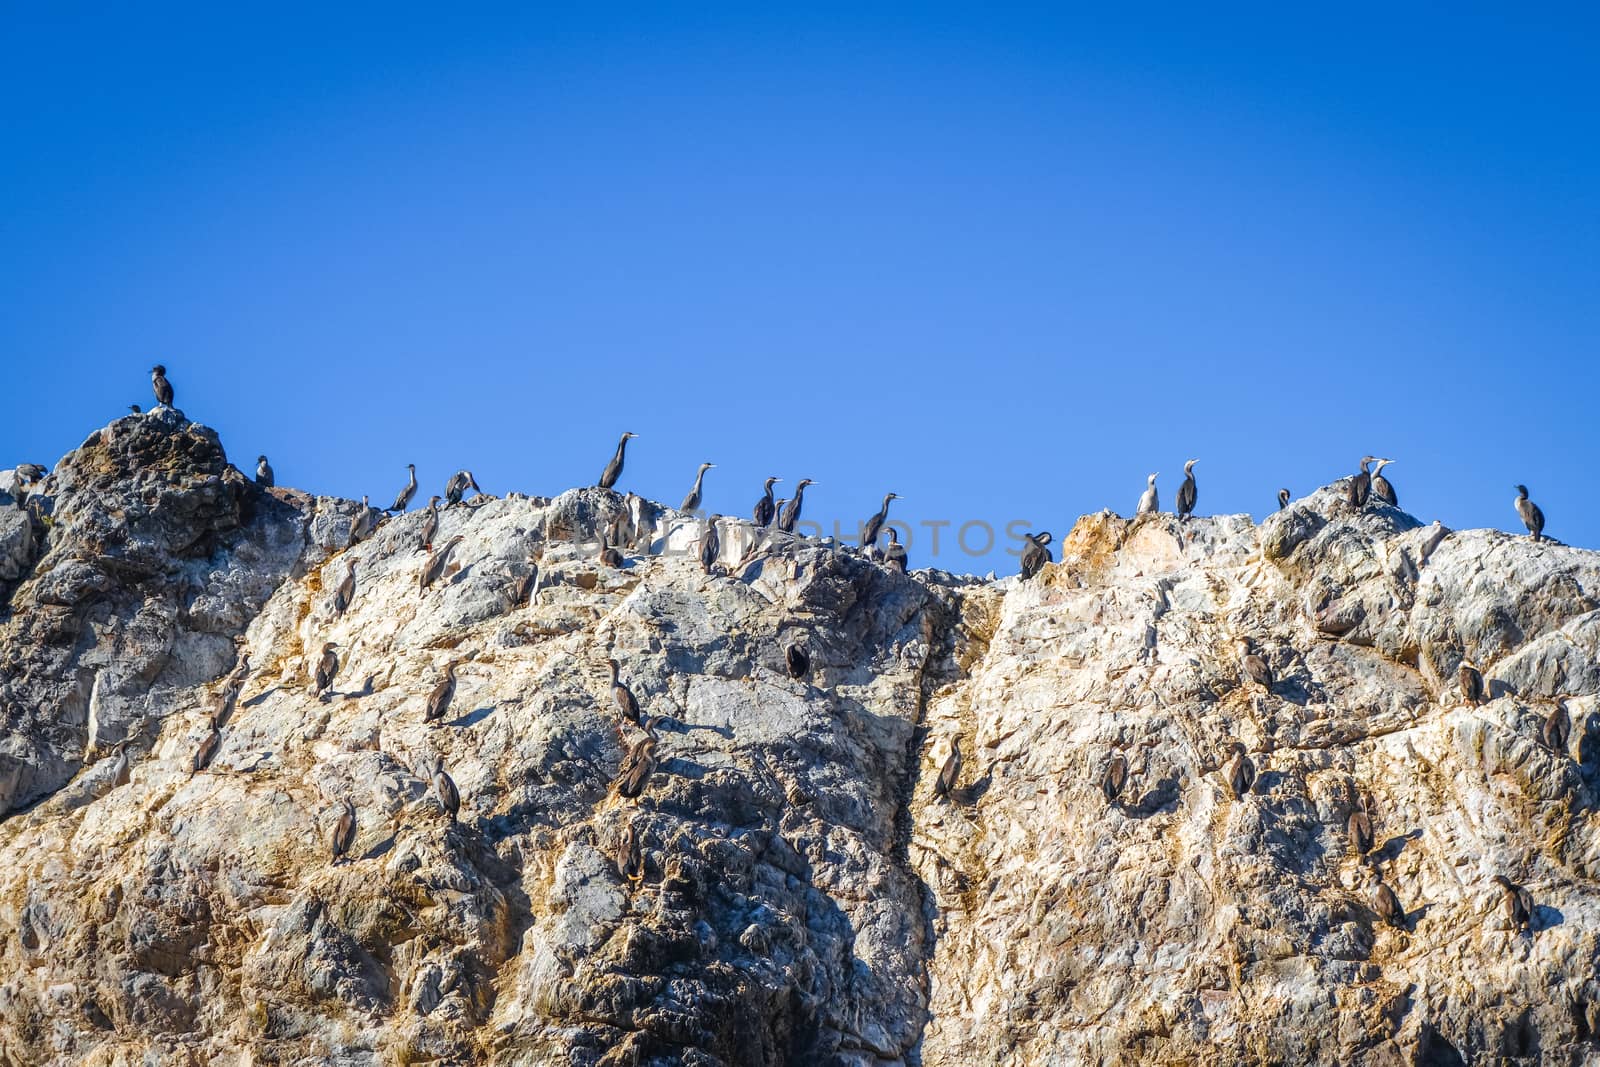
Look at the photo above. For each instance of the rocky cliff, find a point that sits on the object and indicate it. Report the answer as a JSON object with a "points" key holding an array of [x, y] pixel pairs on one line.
{"points": [[195, 870]]}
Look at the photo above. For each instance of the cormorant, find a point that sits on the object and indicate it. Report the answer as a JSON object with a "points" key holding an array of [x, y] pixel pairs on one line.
{"points": [[1532, 517], [1471, 682], [613, 471], [609, 555], [1114, 777], [798, 663], [1387, 905], [264, 473], [692, 501], [362, 525], [950, 772], [791, 513], [457, 487], [445, 788], [627, 704], [1380, 486], [1187, 492], [710, 544], [346, 592], [1360, 484], [1036, 555], [1518, 904], [1255, 668], [869, 534], [630, 860], [163, 388], [430, 525], [1150, 502], [439, 700], [1283, 499], [432, 569], [894, 553], [208, 748], [638, 763], [522, 587], [1557, 728], [1359, 829], [344, 831], [1239, 772], [765, 510], [402, 499], [327, 668]]}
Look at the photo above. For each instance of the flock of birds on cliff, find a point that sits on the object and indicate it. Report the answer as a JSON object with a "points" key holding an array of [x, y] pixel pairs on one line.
{"points": [[640, 758]]}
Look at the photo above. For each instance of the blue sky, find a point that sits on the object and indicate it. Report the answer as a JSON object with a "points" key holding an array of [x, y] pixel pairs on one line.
{"points": [[1003, 261]]}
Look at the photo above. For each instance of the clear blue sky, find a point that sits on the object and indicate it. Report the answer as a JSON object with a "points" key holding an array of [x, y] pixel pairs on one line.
{"points": [[1005, 262]]}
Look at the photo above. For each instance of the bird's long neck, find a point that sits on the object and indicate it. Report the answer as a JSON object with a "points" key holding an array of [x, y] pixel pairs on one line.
{"points": [[622, 447], [767, 491], [699, 478]]}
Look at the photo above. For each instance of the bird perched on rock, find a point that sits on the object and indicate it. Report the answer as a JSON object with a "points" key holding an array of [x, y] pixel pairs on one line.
{"points": [[766, 510], [327, 669], [135, 409], [1386, 904], [346, 592], [796, 660], [1114, 777], [402, 499], [1359, 829], [1518, 904], [1380, 486], [874, 526], [1283, 499], [1360, 484], [343, 834], [162, 387], [457, 487], [430, 525], [626, 703], [789, 517], [1187, 492], [1557, 728], [609, 555], [361, 527], [710, 544], [1471, 681], [444, 787], [1036, 554], [1150, 502], [434, 568], [522, 587], [950, 773], [638, 764], [438, 704], [613, 471], [1532, 517], [1255, 668], [206, 750], [264, 475], [1239, 772], [691, 502], [894, 553], [630, 858]]}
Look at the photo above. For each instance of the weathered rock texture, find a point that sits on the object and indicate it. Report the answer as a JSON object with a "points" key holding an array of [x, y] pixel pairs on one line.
{"points": [[802, 895]]}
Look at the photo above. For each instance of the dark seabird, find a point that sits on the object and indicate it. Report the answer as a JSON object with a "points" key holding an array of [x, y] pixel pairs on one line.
{"points": [[1360, 484], [1387, 905], [1380, 485], [1471, 682], [1557, 728], [1532, 517], [135, 409], [403, 499], [710, 544], [264, 473], [208, 748], [1255, 668], [444, 787], [1283, 499], [950, 773], [430, 525], [894, 553], [869, 533], [1187, 493], [790, 515], [346, 592], [432, 569], [1114, 777], [522, 587], [327, 668], [613, 471], [344, 831], [692, 501], [163, 388], [1359, 829], [766, 510], [1150, 502], [638, 764], [361, 527], [1239, 772], [630, 859], [609, 555], [439, 700], [1036, 554], [796, 660], [457, 487], [1518, 904], [627, 704]]}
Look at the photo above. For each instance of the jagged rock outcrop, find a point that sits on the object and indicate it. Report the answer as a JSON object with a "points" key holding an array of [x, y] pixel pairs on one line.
{"points": [[788, 888]]}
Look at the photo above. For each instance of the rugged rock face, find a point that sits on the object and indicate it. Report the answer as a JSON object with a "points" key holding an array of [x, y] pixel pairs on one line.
{"points": [[788, 887]]}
